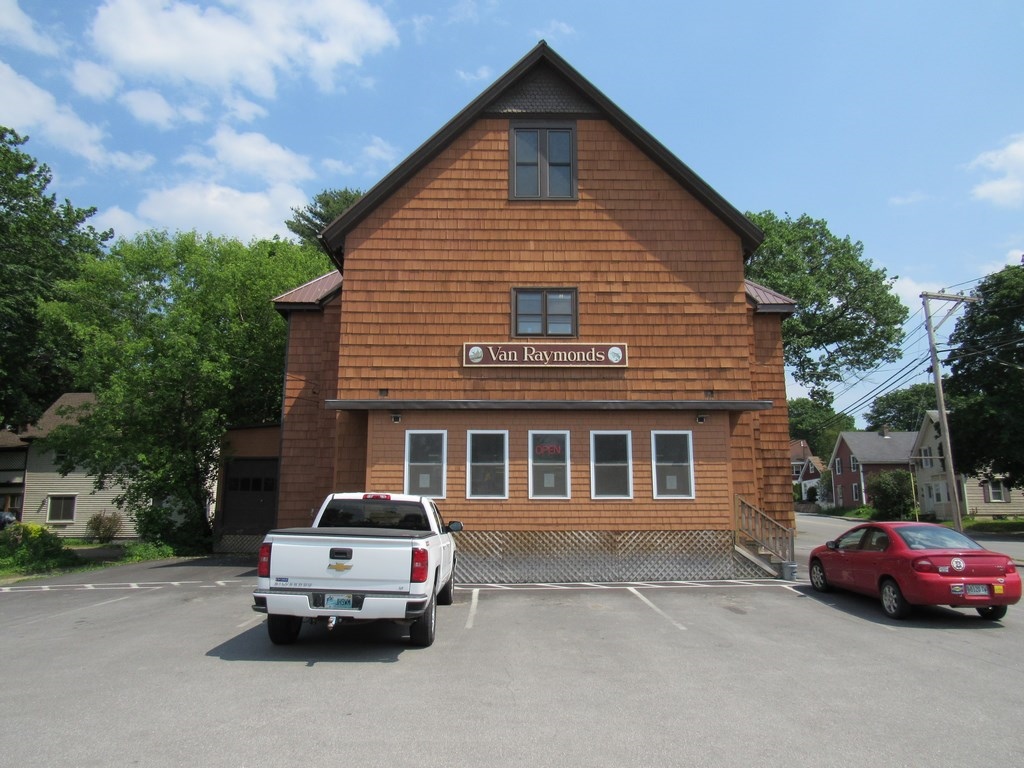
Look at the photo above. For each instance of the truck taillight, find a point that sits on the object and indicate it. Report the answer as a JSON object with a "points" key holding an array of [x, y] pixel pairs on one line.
{"points": [[263, 564], [380, 496], [419, 565]]}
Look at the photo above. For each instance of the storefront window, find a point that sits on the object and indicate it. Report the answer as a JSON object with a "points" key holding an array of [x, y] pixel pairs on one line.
{"points": [[611, 465], [488, 465], [549, 465], [673, 464], [425, 457]]}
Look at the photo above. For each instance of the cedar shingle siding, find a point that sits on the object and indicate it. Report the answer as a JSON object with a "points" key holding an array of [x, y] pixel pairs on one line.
{"points": [[430, 258]]}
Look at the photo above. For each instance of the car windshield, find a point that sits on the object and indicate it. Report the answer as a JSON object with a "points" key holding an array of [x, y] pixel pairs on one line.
{"points": [[374, 513], [934, 537]]}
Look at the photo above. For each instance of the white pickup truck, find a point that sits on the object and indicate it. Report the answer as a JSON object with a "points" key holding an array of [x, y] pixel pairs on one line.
{"points": [[367, 557]]}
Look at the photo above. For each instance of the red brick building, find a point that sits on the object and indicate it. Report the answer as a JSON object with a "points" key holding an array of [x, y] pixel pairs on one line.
{"points": [[541, 319]]}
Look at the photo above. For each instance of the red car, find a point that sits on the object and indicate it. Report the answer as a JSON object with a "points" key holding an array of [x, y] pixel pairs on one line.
{"points": [[908, 564]]}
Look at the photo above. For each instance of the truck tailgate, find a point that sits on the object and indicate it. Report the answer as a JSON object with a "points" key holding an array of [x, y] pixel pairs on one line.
{"points": [[356, 564]]}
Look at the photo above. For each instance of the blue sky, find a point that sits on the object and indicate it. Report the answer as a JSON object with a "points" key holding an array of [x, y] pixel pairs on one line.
{"points": [[899, 123]]}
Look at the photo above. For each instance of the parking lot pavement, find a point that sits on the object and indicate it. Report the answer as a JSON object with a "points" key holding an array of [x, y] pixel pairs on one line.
{"points": [[165, 664]]}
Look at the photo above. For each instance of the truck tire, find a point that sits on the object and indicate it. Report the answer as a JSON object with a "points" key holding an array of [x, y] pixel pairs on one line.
{"points": [[447, 594], [421, 631], [283, 630]]}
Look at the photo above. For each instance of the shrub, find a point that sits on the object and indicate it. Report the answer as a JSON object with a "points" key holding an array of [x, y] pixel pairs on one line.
{"points": [[104, 527], [892, 494], [33, 548], [137, 552]]}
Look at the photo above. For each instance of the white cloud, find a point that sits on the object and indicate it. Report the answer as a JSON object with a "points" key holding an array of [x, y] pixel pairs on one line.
{"points": [[254, 153], [27, 107], [221, 210], [373, 159], [909, 291], [242, 109], [94, 80], [123, 223], [913, 198], [553, 30], [245, 44], [482, 73], [17, 28], [1008, 164], [149, 107]]}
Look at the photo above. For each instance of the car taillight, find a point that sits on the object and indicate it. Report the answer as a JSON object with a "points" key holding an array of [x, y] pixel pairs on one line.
{"points": [[263, 564], [419, 566], [1011, 567], [923, 565]]}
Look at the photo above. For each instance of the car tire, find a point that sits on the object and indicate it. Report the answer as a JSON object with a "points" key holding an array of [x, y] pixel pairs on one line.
{"points": [[818, 578], [893, 602], [283, 630], [992, 612], [447, 594], [421, 631]]}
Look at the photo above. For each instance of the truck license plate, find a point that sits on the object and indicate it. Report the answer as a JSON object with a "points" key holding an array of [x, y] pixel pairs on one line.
{"points": [[338, 602], [977, 589]]}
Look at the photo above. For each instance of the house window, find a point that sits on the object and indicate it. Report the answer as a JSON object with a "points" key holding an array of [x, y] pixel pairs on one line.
{"points": [[611, 465], [998, 492], [549, 465], [425, 455], [487, 470], [856, 491], [854, 464], [926, 458], [671, 456], [544, 311], [839, 466], [839, 496], [542, 161], [61, 509]]}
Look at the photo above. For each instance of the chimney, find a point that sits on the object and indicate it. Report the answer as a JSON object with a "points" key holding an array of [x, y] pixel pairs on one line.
{"points": [[884, 431]]}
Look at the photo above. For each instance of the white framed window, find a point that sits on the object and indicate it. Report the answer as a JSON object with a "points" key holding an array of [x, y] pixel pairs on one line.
{"points": [[426, 463], [839, 496], [854, 464], [672, 464], [998, 493], [487, 464], [926, 458], [856, 491], [839, 465], [60, 509], [611, 465], [549, 465]]}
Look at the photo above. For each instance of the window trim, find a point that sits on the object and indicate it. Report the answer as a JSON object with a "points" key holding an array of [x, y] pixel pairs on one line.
{"points": [[407, 475], [856, 491], [567, 464], [689, 465], [544, 332], [839, 465], [854, 464], [543, 127], [629, 464], [469, 462], [49, 507]]}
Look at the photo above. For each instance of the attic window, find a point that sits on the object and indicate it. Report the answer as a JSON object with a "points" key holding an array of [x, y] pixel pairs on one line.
{"points": [[542, 160]]}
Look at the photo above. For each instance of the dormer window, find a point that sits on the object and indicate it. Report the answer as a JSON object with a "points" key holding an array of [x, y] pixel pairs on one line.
{"points": [[542, 162]]}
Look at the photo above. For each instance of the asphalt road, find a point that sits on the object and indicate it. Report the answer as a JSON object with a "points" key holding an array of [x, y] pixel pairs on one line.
{"points": [[164, 664]]}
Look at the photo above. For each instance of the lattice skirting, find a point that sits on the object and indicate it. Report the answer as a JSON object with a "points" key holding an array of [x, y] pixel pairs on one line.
{"points": [[515, 557], [519, 557]]}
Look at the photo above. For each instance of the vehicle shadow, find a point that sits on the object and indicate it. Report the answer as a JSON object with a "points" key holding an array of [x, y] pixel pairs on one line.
{"points": [[374, 643], [921, 617]]}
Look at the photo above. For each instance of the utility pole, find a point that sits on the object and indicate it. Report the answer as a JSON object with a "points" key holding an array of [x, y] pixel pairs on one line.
{"points": [[940, 400]]}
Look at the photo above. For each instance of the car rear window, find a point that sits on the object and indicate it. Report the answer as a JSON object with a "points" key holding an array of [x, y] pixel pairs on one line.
{"points": [[929, 537], [374, 513]]}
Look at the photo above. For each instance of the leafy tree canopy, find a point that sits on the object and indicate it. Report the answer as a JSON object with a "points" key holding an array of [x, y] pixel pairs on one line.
{"points": [[986, 380], [310, 220], [40, 241], [848, 318], [902, 409], [818, 424], [891, 494], [180, 339]]}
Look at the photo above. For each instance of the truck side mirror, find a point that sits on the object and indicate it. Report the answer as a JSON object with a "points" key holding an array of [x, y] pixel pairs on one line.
{"points": [[453, 527]]}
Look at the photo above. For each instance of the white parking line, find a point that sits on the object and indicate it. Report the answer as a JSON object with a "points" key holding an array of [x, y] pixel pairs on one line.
{"points": [[657, 610], [473, 603]]}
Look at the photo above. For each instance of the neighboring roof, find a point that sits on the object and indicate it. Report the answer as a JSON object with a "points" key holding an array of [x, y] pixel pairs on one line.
{"points": [[879, 448], [799, 450], [504, 97], [767, 300], [311, 295], [10, 440], [61, 412]]}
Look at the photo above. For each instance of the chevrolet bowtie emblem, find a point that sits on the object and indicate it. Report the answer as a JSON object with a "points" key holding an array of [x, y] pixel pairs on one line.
{"points": [[340, 567]]}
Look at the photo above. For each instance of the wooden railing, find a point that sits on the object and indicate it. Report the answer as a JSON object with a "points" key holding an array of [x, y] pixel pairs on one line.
{"points": [[766, 533]]}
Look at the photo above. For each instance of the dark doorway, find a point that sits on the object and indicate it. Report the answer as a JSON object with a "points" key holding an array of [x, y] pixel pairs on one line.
{"points": [[250, 496]]}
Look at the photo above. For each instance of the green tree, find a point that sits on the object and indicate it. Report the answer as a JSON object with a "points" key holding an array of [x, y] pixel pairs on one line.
{"points": [[986, 380], [310, 220], [902, 409], [40, 241], [180, 339], [818, 424], [891, 494], [848, 319]]}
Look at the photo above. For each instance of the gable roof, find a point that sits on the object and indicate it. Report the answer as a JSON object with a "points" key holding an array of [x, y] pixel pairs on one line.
{"points": [[879, 448], [311, 295], [765, 300], [63, 411], [542, 83]]}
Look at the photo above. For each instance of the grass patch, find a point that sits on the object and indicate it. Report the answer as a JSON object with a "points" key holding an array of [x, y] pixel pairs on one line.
{"points": [[1010, 525]]}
